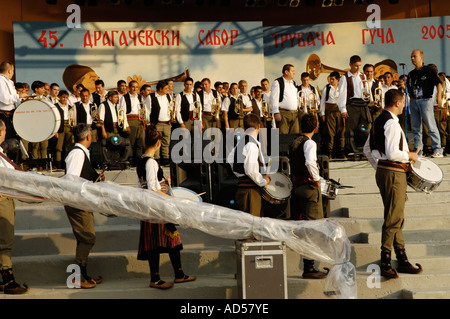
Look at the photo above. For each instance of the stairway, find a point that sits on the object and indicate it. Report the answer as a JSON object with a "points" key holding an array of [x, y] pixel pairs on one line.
{"points": [[45, 246]]}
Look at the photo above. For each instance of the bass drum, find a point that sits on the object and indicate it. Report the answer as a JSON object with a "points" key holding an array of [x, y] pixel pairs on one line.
{"points": [[36, 120], [186, 193]]}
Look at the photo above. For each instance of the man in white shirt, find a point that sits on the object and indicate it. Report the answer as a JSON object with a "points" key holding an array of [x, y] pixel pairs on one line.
{"points": [[109, 116], [387, 151], [265, 84], [158, 103], [64, 134], [9, 99], [311, 94], [207, 96], [331, 117], [231, 118], [352, 104], [185, 104], [284, 100], [78, 164], [84, 114], [54, 92], [75, 96], [307, 195], [99, 96], [243, 86], [8, 285], [247, 162]]}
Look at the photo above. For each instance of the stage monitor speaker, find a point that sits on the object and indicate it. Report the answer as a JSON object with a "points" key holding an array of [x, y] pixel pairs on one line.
{"points": [[194, 176], [285, 143], [223, 185], [324, 171]]}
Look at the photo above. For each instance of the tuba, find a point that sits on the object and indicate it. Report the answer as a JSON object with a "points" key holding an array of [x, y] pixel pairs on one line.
{"points": [[266, 110], [215, 108], [314, 67], [72, 116], [312, 105], [173, 110], [301, 101], [197, 111], [239, 107], [378, 98], [121, 119]]}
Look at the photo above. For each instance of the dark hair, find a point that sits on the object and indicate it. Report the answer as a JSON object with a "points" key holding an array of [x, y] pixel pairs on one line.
{"points": [[308, 123], [189, 79], [37, 85], [79, 86], [84, 90], [335, 74], [19, 85], [355, 58], [144, 87], [152, 136], [251, 121], [390, 73], [132, 82], [304, 75], [161, 84], [120, 82], [392, 96], [5, 66], [99, 82], [54, 84], [111, 93], [286, 67], [63, 92]]}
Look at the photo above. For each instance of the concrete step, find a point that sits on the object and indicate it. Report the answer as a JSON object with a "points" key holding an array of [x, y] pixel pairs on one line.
{"points": [[430, 293], [364, 185], [411, 236]]}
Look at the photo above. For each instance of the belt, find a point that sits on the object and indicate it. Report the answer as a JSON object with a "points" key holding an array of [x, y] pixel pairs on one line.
{"points": [[207, 113], [163, 122], [331, 107], [301, 179], [133, 117], [396, 166], [7, 113], [292, 111]]}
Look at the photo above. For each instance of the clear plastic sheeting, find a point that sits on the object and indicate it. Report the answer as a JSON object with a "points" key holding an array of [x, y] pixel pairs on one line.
{"points": [[321, 240]]}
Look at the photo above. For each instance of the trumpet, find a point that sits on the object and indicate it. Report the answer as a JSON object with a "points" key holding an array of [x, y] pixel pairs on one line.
{"points": [[215, 108], [197, 111], [95, 116], [378, 98], [301, 101], [121, 119], [312, 105], [314, 67], [143, 113], [173, 110], [239, 107], [365, 90], [72, 116], [266, 110]]}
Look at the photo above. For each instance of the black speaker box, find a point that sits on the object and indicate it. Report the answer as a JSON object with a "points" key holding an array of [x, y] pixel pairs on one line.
{"points": [[194, 176]]}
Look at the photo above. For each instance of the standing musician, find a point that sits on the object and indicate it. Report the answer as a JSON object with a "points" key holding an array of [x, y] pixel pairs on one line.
{"points": [[109, 117], [145, 91], [246, 162], [54, 91], [421, 82], [156, 239], [185, 104], [99, 96], [207, 95], [441, 111], [64, 134], [257, 108], [122, 87], [352, 104], [331, 116], [78, 164], [158, 103], [9, 98], [8, 284], [83, 109], [230, 117], [387, 151], [312, 96], [38, 149], [75, 96], [246, 97], [132, 102], [369, 70], [307, 194], [284, 101], [265, 84]]}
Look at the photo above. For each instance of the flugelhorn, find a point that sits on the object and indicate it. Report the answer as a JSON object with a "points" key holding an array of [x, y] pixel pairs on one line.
{"points": [[143, 112], [301, 101], [239, 107], [72, 116], [197, 110], [314, 67], [95, 116], [121, 119], [266, 111], [365, 90], [173, 110], [312, 105], [215, 108], [378, 98]]}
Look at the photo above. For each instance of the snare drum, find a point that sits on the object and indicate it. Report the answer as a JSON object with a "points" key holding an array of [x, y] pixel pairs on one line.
{"points": [[278, 190], [36, 120], [328, 188], [425, 176], [181, 192]]}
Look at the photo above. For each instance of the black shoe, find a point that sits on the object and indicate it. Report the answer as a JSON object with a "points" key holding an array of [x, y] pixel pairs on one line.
{"points": [[404, 266], [385, 266]]}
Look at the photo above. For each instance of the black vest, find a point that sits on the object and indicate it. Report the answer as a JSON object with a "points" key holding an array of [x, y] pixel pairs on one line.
{"points": [[87, 172], [97, 99], [232, 115], [297, 156], [142, 172], [239, 167], [281, 83], [128, 101], [200, 94], [156, 108], [108, 121], [184, 107], [255, 107], [61, 113], [81, 113], [377, 137]]}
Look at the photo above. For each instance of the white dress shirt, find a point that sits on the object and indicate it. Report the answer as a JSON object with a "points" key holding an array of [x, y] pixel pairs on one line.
{"points": [[87, 109], [207, 101], [4, 162], [342, 86], [190, 99], [135, 104], [310, 151], [9, 99], [250, 154], [73, 99], [65, 109], [392, 132], [151, 175], [331, 98], [75, 160], [306, 92], [163, 104], [290, 96]]}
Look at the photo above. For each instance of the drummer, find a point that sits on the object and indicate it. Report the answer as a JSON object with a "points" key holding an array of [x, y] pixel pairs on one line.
{"points": [[307, 195], [246, 164], [387, 151]]}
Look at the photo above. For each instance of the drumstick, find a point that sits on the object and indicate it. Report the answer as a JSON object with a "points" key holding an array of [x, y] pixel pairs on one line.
{"points": [[417, 152], [99, 175], [197, 195], [268, 166]]}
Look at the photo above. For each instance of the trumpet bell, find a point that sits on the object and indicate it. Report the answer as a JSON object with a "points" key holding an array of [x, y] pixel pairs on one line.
{"points": [[314, 67]]}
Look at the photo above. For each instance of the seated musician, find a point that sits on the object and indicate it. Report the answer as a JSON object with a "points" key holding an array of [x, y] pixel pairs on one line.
{"points": [[307, 195], [246, 162]]}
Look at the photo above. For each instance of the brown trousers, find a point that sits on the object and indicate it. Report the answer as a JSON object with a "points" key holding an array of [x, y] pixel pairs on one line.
{"points": [[7, 217], [335, 128], [248, 200], [308, 202], [83, 228], [392, 185], [289, 123]]}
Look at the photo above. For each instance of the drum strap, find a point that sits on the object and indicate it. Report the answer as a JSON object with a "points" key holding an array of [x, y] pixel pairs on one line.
{"points": [[17, 167]]}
